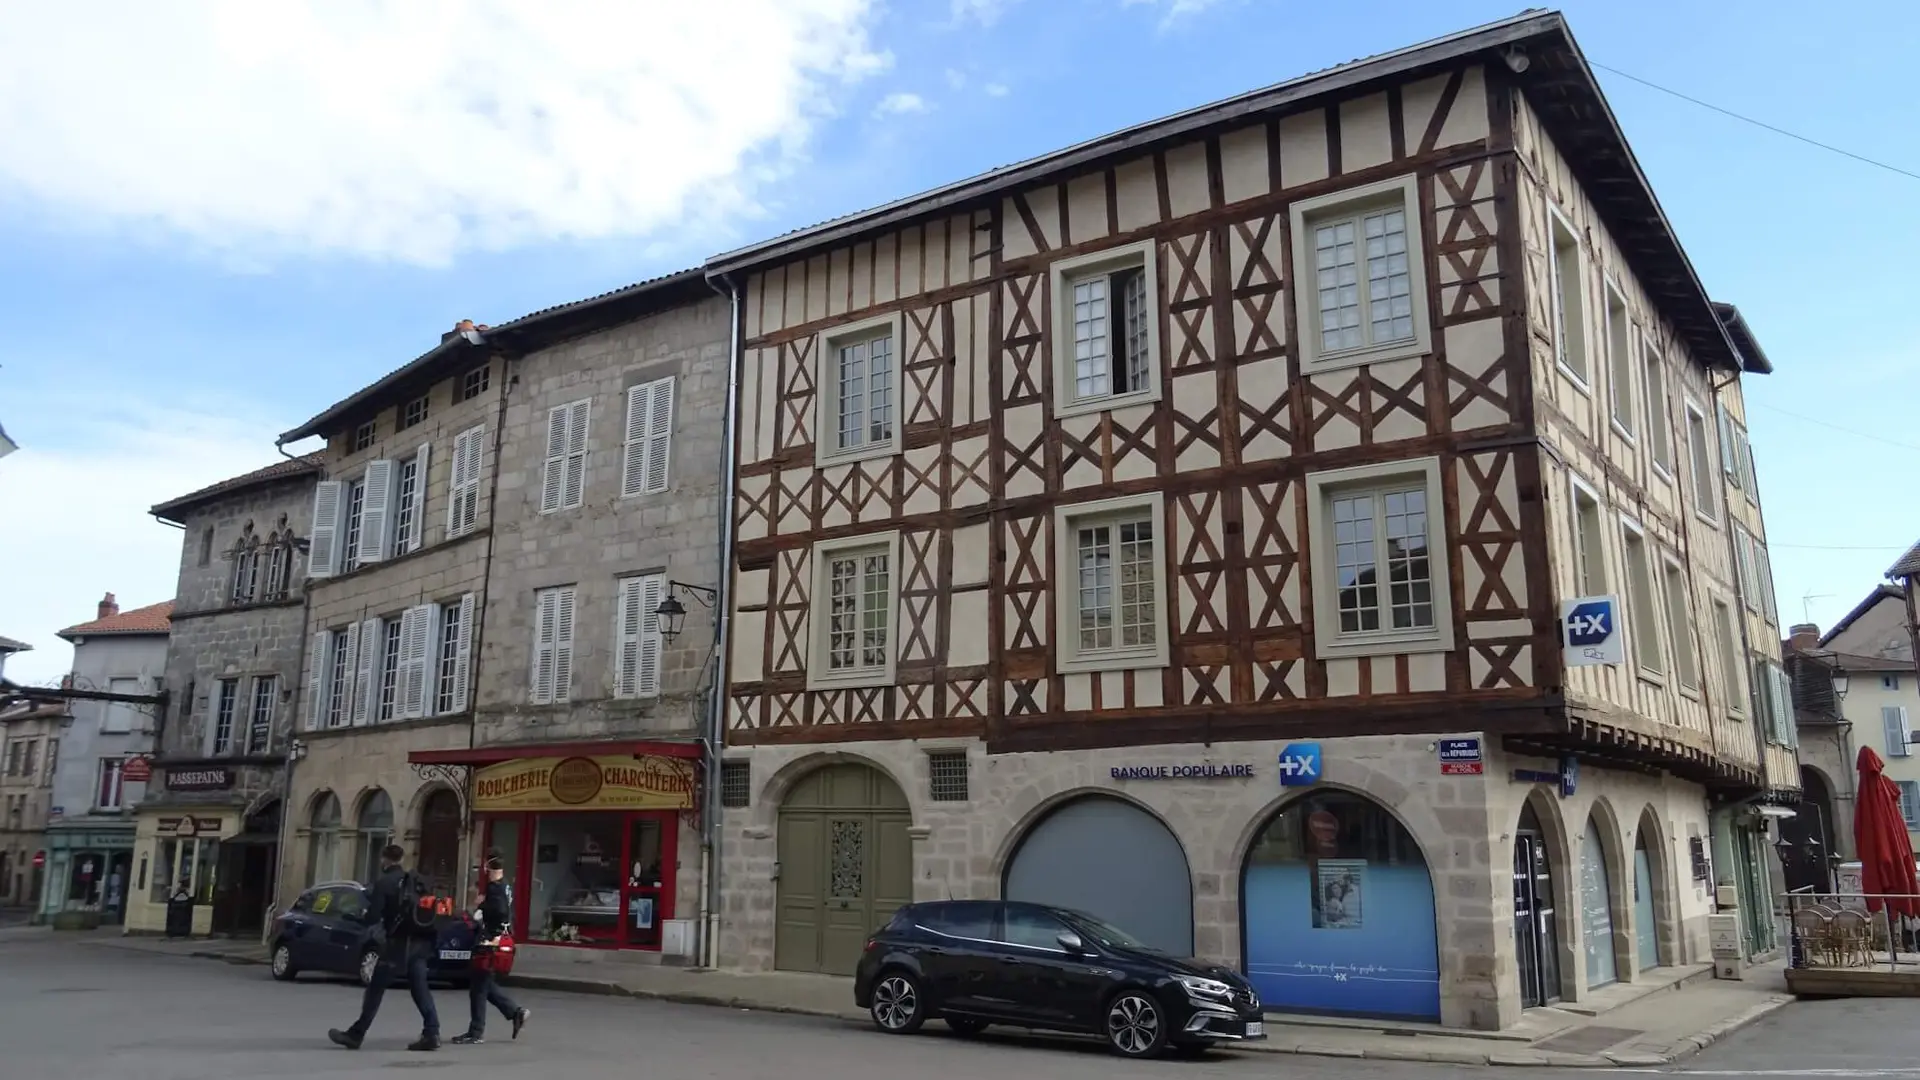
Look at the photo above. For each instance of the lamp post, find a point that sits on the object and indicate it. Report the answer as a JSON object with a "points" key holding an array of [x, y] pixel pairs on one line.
{"points": [[672, 614]]}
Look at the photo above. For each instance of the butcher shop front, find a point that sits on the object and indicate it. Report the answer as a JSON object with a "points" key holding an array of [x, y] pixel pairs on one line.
{"points": [[591, 839]]}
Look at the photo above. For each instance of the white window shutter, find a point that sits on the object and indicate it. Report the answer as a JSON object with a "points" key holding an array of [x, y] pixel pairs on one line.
{"points": [[659, 435], [364, 705], [633, 472], [651, 594], [1790, 729], [553, 475], [1729, 461], [463, 653], [412, 669], [349, 669], [323, 545], [322, 664], [540, 679], [563, 645], [626, 638], [419, 538], [456, 483], [470, 498], [574, 488], [376, 511], [1893, 722]]}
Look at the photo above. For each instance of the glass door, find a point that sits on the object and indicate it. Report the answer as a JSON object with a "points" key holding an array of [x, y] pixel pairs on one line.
{"points": [[648, 879]]}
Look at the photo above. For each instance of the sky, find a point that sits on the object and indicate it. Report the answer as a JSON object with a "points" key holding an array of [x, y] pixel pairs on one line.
{"points": [[216, 219]]}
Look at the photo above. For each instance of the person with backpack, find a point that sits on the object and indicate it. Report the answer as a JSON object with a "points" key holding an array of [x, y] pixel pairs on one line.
{"points": [[402, 911], [493, 919]]}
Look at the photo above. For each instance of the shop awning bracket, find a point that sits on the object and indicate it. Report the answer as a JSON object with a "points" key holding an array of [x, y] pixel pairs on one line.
{"points": [[455, 777]]}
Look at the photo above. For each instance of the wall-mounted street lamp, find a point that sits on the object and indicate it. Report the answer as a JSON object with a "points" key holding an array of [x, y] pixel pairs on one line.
{"points": [[1841, 680], [672, 614]]}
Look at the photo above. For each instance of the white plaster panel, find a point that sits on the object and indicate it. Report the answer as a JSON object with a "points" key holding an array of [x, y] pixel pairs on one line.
{"points": [[1139, 195], [886, 268], [1343, 677], [1426, 672], [1366, 135], [967, 643], [1087, 207], [1195, 396], [749, 646], [1243, 163], [1303, 148], [750, 587], [1187, 179]]}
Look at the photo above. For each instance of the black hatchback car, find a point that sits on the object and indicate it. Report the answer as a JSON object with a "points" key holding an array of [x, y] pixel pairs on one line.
{"points": [[978, 962], [324, 931]]}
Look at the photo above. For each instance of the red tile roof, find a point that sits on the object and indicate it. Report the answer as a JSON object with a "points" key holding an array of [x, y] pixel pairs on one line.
{"points": [[152, 619], [279, 470]]}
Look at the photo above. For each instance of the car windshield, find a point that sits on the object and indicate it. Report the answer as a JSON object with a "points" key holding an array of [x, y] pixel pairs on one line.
{"points": [[1102, 933]]}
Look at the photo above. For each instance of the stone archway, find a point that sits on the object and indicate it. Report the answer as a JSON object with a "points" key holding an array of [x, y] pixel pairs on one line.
{"points": [[1602, 920], [845, 865], [1542, 901], [440, 827], [1338, 911], [1655, 926], [1066, 858], [1811, 836]]}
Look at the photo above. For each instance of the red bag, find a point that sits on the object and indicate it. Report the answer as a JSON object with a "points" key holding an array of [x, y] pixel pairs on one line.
{"points": [[495, 956]]}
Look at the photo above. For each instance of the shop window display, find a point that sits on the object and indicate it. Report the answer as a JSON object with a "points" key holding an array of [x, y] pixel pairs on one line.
{"points": [[1340, 912]]}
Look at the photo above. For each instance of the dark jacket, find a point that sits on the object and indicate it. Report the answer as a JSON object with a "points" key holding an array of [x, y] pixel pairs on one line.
{"points": [[496, 910], [387, 910]]}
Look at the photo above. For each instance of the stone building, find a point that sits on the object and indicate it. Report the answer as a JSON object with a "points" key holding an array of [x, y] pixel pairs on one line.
{"points": [[396, 571], [1177, 526], [29, 753], [607, 504], [211, 822], [119, 664]]}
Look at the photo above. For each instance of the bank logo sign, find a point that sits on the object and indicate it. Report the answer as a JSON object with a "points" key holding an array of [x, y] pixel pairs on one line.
{"points": [[1590, 629], [1299, 764]]}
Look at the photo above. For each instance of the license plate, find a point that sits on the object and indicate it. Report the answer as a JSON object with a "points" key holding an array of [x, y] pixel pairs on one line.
{"points": [[455, 954], [1256, 1030]]}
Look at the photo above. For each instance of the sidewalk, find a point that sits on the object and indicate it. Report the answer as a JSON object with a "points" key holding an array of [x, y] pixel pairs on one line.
{"points": [[1670, 1015]]}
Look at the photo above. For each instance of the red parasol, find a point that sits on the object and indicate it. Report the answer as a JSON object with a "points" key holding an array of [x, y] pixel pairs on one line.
{"points": [[1880, 835]]}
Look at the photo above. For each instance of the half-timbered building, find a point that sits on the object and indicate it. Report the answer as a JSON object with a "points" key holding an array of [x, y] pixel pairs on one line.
{"points": [[1177, 526]]}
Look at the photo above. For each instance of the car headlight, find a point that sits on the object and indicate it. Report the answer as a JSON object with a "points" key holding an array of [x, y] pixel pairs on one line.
{"points": [[1194, 984]]}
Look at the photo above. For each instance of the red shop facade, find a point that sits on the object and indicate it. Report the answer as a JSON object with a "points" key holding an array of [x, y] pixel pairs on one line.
{"points": [[590, 836]]}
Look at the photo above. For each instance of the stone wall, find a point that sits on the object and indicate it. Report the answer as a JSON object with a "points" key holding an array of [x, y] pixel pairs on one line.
{"points": [[1463, 824], [676, 532]]}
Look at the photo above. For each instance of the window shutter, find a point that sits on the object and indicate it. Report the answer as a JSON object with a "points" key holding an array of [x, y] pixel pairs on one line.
{"points": [[659, 436], [573, 490], [456, 482], [366, 693], [376, 513], [418, 539], [463, 653], [317, 678], [1909, 802], [1789, 729], [470, 498], [323, 546], [554, 474], [651, 594], [1729, 459], [563, 645], [351, 668], [1763, 580], [416, 628], [1893, 721], [633, 472], [540, 681], [626, 638]]}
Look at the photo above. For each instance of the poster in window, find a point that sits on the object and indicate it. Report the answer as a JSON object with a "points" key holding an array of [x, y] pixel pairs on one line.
{"points": [[1338, 886], [642, 909]]}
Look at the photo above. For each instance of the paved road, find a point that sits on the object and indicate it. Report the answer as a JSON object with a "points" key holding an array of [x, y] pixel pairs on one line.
{"points": [[70, 1010]]}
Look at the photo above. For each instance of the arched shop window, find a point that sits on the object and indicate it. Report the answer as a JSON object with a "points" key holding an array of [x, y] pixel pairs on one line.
{"points": [[375, 825], [324, 843], [1338, 911]]}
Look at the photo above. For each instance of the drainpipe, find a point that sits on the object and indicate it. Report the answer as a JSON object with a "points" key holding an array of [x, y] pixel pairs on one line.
{"points": [[476, 634], [709, 946]]}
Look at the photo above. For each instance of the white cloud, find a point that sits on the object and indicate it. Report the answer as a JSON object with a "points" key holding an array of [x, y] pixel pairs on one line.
{"points": [[89, 532], [415, 131], [898, 104], [996, 89], [984, 12], [1172, 10], [956, 79]]}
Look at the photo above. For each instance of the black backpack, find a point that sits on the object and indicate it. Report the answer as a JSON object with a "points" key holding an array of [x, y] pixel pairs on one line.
{"points": [[419, 908]]}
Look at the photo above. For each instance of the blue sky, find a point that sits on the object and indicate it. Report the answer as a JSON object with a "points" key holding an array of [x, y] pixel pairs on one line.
{"points": [[235, 233]]}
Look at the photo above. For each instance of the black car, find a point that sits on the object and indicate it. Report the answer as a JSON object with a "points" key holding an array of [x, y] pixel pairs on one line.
{"points": [[978, 962], [323, 931]]}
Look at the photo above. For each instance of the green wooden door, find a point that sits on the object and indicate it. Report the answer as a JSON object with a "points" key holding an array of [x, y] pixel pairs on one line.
{"points": [[846, 865]]}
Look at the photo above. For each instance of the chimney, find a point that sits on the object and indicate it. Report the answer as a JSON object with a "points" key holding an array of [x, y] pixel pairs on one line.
{"points": [[108, 606], [66, 681], [1804, 637]]}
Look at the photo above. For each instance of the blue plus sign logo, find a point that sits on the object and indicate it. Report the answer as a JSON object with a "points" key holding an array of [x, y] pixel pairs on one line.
{"points": [[1590, 623], [1299, 764]]}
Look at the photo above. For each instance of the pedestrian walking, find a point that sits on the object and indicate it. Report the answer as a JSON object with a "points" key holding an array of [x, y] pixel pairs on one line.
{"points": [[492, 919], [404, 942]]}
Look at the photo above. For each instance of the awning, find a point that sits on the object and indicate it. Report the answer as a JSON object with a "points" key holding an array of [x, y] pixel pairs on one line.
{"points": [[493, 755]]}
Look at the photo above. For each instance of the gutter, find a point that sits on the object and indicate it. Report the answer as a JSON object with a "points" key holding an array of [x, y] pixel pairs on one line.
{"points": [[709, 945], [477, 632]]}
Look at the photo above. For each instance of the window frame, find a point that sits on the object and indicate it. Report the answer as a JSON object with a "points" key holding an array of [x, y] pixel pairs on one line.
{"points": [[1653, 382], [403, 413], [1061, 274], [1620, 380], [1353, 201], [255, 721], [827, 404], [1632, 532], [1734, 678], [1069, 657], [1706, 501], [1680, 624], [819, 674], [364, 436], [1565, 345], [561, 690], [117, 768], [226, 703], [637, 451], [1584, 558], [563, 476], [1329, 641], [475, 382]]}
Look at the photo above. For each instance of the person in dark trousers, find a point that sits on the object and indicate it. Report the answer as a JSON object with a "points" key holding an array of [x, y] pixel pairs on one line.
{"points": [[402, 948], [495, 917]]}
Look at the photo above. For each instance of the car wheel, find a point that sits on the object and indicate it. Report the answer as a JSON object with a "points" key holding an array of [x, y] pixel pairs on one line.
{"points": [[369, 963], [966, 1025], [282, 964], [1136, 1025], [898, 1008]]}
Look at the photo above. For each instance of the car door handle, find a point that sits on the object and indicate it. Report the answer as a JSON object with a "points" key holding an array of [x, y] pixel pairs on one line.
{"points": [[1016, 961]]}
